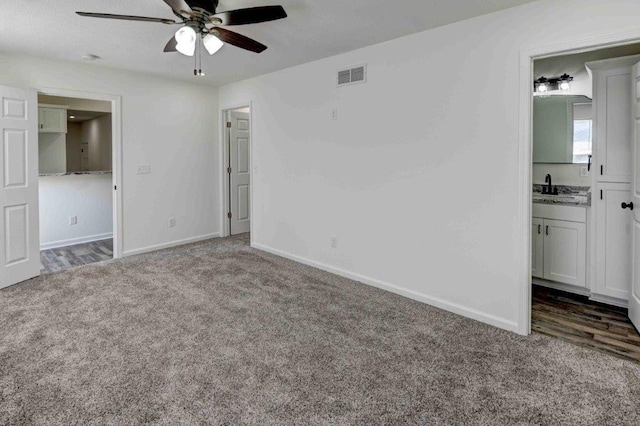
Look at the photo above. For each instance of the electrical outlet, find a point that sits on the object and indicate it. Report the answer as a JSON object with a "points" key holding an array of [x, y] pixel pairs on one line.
{"points": [[143, 169], [334, 241], [172, 222], [73, 220], [584, 171], [334, 114]]}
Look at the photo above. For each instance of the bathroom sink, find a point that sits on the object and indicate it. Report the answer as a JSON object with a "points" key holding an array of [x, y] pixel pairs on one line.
{"points": [[572, 196]]}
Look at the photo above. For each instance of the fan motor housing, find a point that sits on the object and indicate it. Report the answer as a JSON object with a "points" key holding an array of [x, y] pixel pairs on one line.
{"points": [[208, 5]]}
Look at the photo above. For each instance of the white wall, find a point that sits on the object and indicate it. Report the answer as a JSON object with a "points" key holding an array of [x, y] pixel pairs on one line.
{"points": [[97, 133], [89, 197], [52, 153], [169, 125], [418, 178]]}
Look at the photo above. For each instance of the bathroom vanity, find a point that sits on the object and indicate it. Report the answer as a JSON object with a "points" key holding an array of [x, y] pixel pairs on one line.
{"points": [[559, 236]]}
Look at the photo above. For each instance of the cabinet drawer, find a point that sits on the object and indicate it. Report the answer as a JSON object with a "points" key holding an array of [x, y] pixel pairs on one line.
{"points": [[555, 212]]}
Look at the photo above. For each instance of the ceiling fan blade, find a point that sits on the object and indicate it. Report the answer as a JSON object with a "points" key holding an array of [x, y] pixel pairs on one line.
{"points": [[238, 40], [128, 17], [179, 6], [252, 15], [172, 46]]}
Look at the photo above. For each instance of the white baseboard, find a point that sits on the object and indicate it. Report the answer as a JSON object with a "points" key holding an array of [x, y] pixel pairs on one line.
{"points": [[170, 244], [561, 286], [74, 241], [608, 300], [433, 301]]}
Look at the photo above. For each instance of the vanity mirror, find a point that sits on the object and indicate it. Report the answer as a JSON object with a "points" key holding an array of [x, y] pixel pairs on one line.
{"points": [[562, 129]]}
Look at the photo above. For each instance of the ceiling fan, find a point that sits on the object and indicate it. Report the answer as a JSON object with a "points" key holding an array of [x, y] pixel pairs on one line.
{"points": [[200, 18]]}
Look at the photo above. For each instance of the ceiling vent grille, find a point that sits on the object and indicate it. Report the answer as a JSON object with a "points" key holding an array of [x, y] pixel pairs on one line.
{"points": [[354, 75]]}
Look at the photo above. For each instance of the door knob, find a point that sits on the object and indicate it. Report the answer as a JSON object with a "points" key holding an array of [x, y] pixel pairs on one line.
{"points": [[627, 206]]}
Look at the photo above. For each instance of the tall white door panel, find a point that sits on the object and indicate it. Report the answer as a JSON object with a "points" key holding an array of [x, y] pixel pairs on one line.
{"points": [[634, 297], [613, 125], [240, 176], [19, 239], [613, 240]]}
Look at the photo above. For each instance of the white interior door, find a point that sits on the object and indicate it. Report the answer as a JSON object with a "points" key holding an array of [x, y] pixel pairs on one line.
{"points": [[240, 175], [634, 298], [19, 239]]}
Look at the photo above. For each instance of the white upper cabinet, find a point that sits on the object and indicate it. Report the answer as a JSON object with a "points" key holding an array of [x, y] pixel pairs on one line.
{"points": [[612, 118], [52, 119]]}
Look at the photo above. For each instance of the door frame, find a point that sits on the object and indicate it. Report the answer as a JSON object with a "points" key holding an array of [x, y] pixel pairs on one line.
{"points": [[116, 154], [525, 148], [225, 226]]}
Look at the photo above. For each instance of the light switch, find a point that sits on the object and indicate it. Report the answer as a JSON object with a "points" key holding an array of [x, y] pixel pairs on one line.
{"points": [[584, 171], [143, 169]]}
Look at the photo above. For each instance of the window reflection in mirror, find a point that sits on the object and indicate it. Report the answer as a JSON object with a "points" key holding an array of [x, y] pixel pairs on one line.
{"points": [[562, 129]]}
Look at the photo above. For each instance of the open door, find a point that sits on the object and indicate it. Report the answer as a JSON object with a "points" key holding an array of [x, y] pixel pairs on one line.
{"points": [[634, 299], [240, 174], [19, 230]]}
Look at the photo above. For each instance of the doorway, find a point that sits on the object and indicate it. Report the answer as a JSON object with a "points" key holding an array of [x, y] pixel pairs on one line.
{"points": [[237, 170], [80, 193], [579, 129]]}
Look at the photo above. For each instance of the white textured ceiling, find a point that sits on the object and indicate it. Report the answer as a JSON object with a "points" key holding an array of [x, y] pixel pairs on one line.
{"points": [[314, 29]]}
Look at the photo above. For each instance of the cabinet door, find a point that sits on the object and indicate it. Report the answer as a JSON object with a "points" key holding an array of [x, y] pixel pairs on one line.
{"points": [[613, 240], [565, 252], [52, 120], [537, 243], [613, 125]]}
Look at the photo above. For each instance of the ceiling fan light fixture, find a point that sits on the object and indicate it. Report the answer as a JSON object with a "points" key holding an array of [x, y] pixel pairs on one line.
{"points": [[186, 39], [212, 43]]}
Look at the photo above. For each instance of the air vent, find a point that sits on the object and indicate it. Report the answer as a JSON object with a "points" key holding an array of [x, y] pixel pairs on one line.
{"points": [[354, 75]]}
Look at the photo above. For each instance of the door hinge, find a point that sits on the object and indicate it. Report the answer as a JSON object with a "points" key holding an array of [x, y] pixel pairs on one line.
{"points": [[228, 124], [229, 215], [115, 187], [228, 170]]}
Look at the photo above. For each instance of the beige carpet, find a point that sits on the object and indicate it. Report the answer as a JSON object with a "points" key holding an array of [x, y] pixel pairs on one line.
{"points": [[220, 333]]}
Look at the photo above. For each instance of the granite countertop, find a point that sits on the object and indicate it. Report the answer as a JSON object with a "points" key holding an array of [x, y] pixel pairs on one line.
{"points": [[567, 195], [106, 172]]}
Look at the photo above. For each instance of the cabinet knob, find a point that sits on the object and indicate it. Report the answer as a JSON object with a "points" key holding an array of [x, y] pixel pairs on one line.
{"points": [[627, 206]]}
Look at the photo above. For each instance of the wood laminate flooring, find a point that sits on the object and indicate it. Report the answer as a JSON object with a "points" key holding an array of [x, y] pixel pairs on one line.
{"points": [[578, 320], [58, 259]]}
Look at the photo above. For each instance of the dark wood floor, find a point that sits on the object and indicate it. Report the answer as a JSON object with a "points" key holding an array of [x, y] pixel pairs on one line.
{"points": [[578, 320], [57, 259]]}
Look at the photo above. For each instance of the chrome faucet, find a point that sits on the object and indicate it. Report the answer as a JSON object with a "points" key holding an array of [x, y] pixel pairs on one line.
{"points": [[549, 189]]}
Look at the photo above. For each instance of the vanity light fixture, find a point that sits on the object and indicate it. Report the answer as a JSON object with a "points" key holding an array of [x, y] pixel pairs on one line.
{"points": [[543, 86]]}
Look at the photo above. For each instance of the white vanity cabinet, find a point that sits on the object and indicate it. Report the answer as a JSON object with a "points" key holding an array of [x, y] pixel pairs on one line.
{"points": [[537, 248], [52, 119], [559, 244]]}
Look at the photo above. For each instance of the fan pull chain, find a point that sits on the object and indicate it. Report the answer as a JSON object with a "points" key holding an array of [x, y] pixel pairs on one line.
{"points": [[197, 58]]}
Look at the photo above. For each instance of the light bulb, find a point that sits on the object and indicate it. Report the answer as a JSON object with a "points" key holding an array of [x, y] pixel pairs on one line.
{"points": [[565, 86], [186, 38], [212, 43]]}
